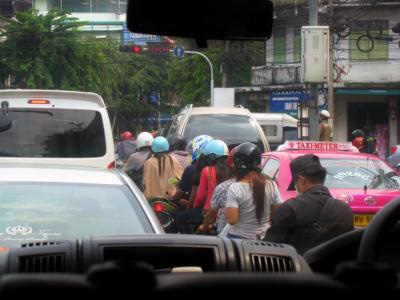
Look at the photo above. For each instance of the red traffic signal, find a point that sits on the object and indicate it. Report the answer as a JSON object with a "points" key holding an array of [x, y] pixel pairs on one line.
{"points": [[130, 48], [136, 49]]}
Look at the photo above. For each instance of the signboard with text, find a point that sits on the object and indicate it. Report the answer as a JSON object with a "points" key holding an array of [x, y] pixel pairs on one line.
{"points": [[138, 38]]}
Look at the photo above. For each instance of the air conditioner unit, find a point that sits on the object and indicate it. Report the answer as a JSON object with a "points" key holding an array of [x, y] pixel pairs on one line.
{"points": [[315, 53]]}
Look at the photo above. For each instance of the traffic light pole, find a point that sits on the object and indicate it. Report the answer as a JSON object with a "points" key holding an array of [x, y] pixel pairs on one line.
{"points": [[212, 75]]}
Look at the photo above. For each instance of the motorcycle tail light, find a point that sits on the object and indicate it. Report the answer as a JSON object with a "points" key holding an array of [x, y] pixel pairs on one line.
{"points": [[158, 207]]}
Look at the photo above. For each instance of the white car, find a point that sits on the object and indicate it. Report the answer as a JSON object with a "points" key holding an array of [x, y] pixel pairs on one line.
{"points": [[55, 127], [42, 203]]}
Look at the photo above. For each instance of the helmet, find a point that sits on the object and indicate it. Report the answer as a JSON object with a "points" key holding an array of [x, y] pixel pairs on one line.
{"points": [[127, 135], [144, 139], [357, 133], [217, 148], [198, 145], [176, 142], [229, 161], [247, 157], [324, 113], [160, 144]]}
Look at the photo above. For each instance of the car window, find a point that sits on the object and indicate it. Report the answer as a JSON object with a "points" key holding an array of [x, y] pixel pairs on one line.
{"points": [[270, 130], [33, 211], [359, 173], [61, 133], [233, 129], [271, 168]]}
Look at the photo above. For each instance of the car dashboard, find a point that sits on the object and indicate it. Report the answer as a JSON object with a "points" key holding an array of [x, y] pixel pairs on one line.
{"points": [[166, 253]]}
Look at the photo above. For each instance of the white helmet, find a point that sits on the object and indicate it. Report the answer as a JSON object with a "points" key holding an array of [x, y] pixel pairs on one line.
{"points": [[324, 113], [144, 139]]}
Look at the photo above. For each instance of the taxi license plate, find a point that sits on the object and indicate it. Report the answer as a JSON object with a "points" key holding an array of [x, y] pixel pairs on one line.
{"points": [[362, 220]]}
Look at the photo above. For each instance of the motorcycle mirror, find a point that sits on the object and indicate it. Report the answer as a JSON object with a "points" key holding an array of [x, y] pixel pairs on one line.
{"points": [[398, 168], [5, 120]]}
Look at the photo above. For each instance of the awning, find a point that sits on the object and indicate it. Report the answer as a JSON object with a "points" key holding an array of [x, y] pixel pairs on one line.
{"points": [[372, 92]]}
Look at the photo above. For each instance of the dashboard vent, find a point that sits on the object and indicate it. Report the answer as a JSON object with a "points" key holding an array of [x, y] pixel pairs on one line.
{"points": [[40, 244], [264, 263], [42, 263]]}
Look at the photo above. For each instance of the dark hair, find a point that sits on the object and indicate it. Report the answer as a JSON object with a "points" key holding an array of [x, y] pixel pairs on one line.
{"points": [[201, 163], [258, 183], [315, 174], [161, 157], [221, 170]]}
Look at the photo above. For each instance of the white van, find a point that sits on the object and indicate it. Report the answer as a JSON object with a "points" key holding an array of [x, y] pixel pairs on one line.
{"points": [[277, 127], [55, 127]]}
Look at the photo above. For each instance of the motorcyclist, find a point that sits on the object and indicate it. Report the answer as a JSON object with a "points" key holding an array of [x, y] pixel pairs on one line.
{"points": [[134, 166], [177, 148], [127, 146], [358, 137], [252, 198], [159, 170], [212, 175]]}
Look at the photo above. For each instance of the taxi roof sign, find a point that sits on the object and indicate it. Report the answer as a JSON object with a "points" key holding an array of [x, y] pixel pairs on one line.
{"points": [[316, 145]]}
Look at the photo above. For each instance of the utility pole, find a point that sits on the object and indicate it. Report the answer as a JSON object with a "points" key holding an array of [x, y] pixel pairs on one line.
{"points": [[331, 107], [313, 129]]}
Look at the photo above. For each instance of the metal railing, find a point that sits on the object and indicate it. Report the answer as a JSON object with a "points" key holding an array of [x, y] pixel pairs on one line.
{"points": [[88, 6]]}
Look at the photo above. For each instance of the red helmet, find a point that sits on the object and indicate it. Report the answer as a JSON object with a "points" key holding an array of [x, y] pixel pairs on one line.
{"points": [[127, 135]]}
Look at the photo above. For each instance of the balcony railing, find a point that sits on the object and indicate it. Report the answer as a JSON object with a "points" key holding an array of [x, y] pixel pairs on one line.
{"points": [[89, 6], [275, 75]]}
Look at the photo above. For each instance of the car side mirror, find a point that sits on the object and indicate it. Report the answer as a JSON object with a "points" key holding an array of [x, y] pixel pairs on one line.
{"points": [[5, 120]]}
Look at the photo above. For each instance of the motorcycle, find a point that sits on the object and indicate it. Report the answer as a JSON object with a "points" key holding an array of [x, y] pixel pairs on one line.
{"points": [[165, 211]]}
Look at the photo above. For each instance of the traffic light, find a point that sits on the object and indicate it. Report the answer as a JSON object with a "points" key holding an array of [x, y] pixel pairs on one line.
{"points": [[158, 49], [130, 48]]}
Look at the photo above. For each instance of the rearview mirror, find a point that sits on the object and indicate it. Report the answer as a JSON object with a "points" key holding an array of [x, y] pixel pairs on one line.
{"points": [[203, 20], [5, 120]]}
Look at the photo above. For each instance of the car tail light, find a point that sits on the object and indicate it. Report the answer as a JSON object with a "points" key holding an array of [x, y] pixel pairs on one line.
{"points": [[112, 165], [38, 101], [158, 207], [393, 149]]}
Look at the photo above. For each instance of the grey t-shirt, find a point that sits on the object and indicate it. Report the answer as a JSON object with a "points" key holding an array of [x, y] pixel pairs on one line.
{"points": [[240, 195]]}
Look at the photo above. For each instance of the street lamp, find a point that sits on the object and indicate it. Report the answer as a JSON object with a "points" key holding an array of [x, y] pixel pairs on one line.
{"points": [[212, 74]]}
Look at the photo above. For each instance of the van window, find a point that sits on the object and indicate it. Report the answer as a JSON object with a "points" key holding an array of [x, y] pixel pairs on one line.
{"points": [[270, 130], [289, 134], [232, 129], [54, 133]]}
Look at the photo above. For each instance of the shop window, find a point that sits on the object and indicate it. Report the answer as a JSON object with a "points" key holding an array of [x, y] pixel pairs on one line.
{"points": [[297, 45], [367, 41], [279, 38]]}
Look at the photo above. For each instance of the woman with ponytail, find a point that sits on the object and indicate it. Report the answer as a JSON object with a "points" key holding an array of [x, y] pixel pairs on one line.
{"points": [[159, 169], [252, 198]]}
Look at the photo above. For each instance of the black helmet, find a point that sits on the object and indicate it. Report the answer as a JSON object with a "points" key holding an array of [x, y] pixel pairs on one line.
{"points": [[177, 142], [247, 157], [357, 133]]}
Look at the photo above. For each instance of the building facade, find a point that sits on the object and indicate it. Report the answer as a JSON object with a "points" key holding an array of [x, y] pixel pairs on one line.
{"points": [[366, 65]]}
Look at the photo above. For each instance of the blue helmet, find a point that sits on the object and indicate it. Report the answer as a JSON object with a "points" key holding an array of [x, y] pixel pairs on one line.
{"points": [[160, 144], [198, 145], [217, 148]]}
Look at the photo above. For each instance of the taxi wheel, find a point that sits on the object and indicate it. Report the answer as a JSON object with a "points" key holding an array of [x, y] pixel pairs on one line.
{"points": [[382, 222]]}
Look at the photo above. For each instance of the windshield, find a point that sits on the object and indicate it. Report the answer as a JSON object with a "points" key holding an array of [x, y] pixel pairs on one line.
{"points": [[47, 211], [338, 77], [58, 133], [359, 173], [232, 129]]}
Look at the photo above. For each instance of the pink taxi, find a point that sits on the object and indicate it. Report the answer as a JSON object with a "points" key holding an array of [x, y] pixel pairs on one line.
{"points": [[364, 181]]}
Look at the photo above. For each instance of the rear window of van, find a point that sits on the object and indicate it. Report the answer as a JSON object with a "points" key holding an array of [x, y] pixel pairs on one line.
{"points": [[54, 133]]}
